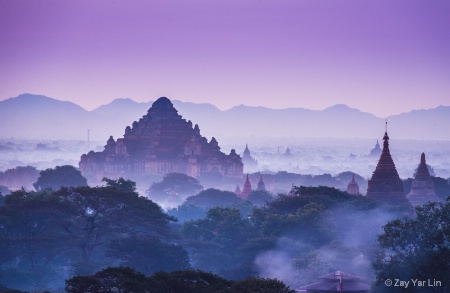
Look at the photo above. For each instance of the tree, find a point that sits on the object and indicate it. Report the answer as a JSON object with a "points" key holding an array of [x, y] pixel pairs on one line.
{"points": [[103, 213], [42, 232], [149, 254], [34, 230], [215, 242], [260, 197], [19, 177], [188, 281], [260, 285], [416, 248], [121, 184], [111, 279], [58, 177], [173, 189], [213, 198]]}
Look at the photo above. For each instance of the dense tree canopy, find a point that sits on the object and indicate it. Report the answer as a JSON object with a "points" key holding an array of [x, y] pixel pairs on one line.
{"points": [[60, 176], [173, 189], [82, 228], [213, 198], [121, 184], [417, 248], [124, 279]]}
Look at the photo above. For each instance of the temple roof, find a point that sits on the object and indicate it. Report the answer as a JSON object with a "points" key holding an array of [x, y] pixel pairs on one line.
{"points": [[385, 184], [247, 189], [261, 185], [422, 187]]}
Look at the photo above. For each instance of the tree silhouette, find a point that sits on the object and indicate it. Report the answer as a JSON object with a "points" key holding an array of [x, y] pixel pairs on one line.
{"points": [[58, 177]]}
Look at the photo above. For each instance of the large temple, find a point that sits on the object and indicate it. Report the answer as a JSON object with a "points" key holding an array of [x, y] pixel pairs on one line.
{"points": [[160, 142], [385, 184], [422, 187]]}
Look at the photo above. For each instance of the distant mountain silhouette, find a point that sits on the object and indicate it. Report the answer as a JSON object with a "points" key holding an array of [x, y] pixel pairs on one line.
{"points": [[34, 116]]}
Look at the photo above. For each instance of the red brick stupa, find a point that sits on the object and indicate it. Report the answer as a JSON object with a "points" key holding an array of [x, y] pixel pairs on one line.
{"points": [[422, 188], [353, 187], [385, 184], [247, 189]]}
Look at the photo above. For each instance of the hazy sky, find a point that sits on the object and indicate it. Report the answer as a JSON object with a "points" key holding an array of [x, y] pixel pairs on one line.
{"points": [[380, 56]]}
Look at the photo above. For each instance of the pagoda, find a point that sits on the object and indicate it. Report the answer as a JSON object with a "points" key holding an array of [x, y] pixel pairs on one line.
{"points": [[248, 160], [376, 151], [160, 142], [237, 191], [385, 184], [422, 187], [261, 185], [247, 189], [287, 153], [353, 187]]}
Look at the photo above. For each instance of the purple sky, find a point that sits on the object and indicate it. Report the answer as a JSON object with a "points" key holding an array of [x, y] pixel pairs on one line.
{"points": [[380, 56]]}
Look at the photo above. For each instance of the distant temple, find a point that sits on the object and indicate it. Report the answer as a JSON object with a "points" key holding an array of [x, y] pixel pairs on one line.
{"points": [[385, 184], [248, 160], [261, 185], [376, 151], [247, 189], [336, 282], [287, 154], [422, 187], [238, 191], [160, 142], [353, 187]]}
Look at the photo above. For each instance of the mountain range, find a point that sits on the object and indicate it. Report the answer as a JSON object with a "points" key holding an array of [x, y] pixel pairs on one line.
{"points": [[29, 116]]}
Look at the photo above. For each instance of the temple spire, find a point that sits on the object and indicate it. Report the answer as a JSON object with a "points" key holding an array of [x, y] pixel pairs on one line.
{"points": [[385, 184], [422, 187]]}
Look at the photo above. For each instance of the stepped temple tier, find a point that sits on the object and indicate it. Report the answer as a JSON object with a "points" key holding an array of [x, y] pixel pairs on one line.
{"points": [[160, 142], [422, 187], [385, 184]]}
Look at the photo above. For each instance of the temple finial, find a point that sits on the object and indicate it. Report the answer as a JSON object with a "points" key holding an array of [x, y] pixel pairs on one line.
{"points": [[385, 126]]}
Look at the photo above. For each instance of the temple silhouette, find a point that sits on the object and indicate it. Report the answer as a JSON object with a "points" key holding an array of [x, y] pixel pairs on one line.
{"points": [[160, 142], [422, 187], [385, 184]]}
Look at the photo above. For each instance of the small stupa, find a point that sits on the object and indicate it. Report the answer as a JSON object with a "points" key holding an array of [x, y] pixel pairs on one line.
{"points": [[376, 151], [422, 187], [247, 189], [237, 190], [261, 185], [353, 187]]}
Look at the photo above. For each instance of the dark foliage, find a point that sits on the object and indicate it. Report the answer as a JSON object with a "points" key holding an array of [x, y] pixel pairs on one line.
{"points": [[213, 198], [111, 279], [149, 255], [417, 248], [327, 196], [260, 285], [260, 197], [121, 184], [123, 279], [173, 189], [67, 176], [49, 230]]}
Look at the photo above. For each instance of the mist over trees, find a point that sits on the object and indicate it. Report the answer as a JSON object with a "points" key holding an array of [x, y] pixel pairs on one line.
{"points": [[78, 230], [417, 248], [76, 233]]}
